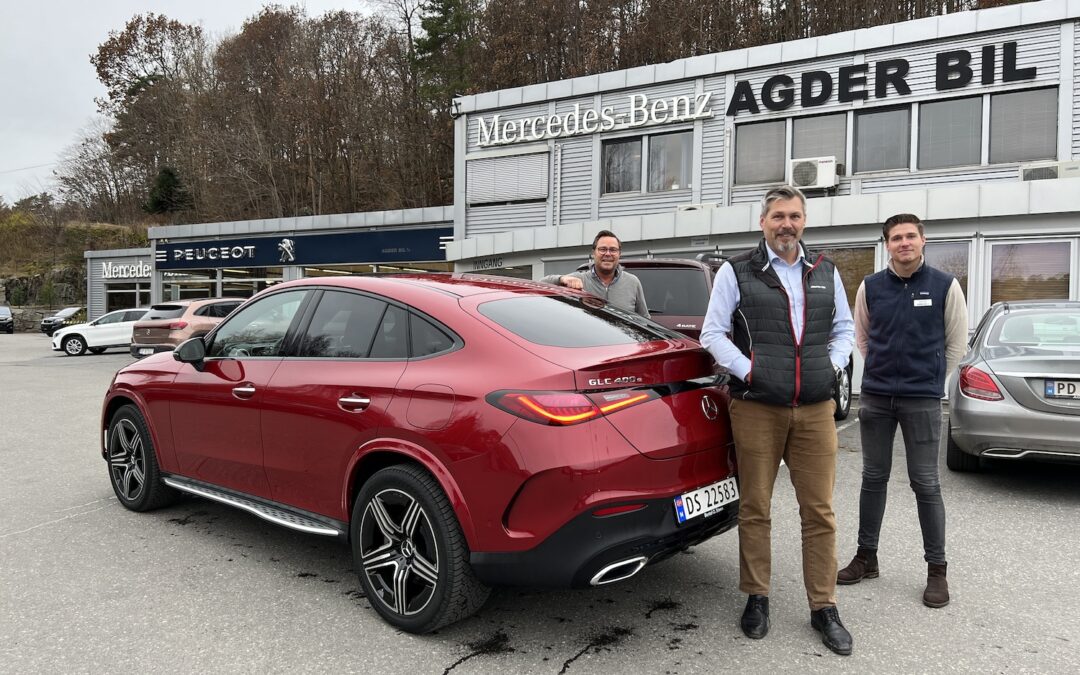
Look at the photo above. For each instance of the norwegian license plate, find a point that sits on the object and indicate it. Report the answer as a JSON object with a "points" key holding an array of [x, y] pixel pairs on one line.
{"points": [[1062, 389], [706, 501], [146, 351]]}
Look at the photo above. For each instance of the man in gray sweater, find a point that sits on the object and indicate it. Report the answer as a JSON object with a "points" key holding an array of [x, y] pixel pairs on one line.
{"points": [[605, 278]]}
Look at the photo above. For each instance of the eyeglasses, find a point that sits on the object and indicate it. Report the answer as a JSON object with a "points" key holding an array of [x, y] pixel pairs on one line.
{"points": [[604, 250]]}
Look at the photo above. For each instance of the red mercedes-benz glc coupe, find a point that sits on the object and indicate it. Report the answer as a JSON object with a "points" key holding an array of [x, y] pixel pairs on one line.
{"points": [[459, 431]]}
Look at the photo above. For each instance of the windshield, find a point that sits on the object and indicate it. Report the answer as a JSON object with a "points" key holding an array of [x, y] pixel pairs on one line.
{"points": [[1037, 328], [164, 312], [70, 311], [677, 291]]}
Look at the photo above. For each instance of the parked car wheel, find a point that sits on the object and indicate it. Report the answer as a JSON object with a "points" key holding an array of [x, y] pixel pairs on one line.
{"points": [[133, 467], [842, 395], [97, 350], [956, 459], [410, 553], [74, 345]]}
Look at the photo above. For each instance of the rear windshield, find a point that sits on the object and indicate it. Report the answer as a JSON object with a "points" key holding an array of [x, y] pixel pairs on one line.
{"points": [[1041, 328], [164, 312], [558, 321], [675, 291]]}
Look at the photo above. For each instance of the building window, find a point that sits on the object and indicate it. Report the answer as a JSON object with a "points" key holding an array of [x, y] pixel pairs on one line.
{"points": [[882, 139], [950, 133], [670, 158], [854, 264], [1029, 271], [501, 180], [621, 170], [759, 152], [820, 136], [1023, 126], [950, 257]]}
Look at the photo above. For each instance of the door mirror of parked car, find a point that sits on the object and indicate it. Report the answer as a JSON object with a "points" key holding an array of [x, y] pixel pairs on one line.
{"points": [[191, 351]]}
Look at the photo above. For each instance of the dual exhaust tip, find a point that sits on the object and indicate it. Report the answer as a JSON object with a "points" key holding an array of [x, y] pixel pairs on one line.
{"points": [[619, 571]]}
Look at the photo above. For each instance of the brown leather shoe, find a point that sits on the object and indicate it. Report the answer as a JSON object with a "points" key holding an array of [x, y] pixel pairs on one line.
{"points": [[937, 588], [863, 566]]}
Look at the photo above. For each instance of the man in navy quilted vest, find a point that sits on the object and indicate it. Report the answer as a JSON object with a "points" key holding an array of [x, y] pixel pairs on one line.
{"points": [[779, 321], [911, 328]]}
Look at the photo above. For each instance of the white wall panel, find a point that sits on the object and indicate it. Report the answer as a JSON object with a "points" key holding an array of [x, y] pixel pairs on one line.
{"points": [[713, 150]]}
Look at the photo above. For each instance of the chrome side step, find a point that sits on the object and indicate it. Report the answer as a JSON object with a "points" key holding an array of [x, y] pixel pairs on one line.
{"points": [[276, 515]]}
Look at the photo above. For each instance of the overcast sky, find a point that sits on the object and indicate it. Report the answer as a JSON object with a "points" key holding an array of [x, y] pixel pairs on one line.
{"points": [[47, 85]]}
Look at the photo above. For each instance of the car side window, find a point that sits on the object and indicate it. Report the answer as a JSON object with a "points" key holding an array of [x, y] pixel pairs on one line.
{"points": [[343, 326], [392, 337], [134, 315], [425, 339], [259, 329], [115, 317]]}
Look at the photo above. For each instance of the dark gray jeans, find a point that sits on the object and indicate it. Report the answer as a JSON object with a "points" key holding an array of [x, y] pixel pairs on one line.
{"points": [[920, 422]]}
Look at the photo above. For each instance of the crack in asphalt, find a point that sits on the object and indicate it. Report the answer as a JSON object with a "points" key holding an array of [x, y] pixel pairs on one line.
{"points": [[605, 640], [495, 643]]}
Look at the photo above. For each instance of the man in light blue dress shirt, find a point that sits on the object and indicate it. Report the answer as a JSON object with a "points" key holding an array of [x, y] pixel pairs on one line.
{"points": [[779, 321]]}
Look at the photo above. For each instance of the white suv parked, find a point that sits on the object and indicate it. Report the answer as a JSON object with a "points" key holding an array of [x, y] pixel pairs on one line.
{"points": [[109, 330]]}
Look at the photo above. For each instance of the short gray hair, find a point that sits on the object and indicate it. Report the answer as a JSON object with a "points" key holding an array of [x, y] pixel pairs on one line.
{"points": [[781, 192]]}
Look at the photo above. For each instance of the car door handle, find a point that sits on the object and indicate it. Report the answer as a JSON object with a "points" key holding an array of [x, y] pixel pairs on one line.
{"points": [[354, 403], [246, 390]]}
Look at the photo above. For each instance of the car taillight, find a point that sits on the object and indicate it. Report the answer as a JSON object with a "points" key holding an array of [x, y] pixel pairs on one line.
{"points": [[563, 408], [974, 383], [178, 325]]}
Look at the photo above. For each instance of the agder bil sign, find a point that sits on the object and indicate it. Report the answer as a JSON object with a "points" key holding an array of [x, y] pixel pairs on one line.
{"points": [[953, 70]]}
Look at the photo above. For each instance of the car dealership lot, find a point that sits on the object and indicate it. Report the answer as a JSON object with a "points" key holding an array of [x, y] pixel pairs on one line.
{"points": [[86, 585]]}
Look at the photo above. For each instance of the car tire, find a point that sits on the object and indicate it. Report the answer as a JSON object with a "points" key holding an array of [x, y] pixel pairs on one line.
{"points": [[97, 350], [956, 459], [842, 395], [402, 520], [74, 345], [133, 467]]}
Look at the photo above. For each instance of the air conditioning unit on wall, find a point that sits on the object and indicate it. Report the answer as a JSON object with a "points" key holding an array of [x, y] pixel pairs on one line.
{"points": [[813, 172], [1049, 170]]}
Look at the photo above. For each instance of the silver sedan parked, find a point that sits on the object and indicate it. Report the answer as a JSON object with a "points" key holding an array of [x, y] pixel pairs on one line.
{"points": [[1017, 393]]}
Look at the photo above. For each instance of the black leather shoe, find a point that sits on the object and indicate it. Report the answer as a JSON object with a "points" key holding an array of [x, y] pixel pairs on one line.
{"points": [[755, 618], [827, 622]]}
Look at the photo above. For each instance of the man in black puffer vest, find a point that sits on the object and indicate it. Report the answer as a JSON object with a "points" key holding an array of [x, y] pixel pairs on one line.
{"points": [[779, 321], [911, 327]]}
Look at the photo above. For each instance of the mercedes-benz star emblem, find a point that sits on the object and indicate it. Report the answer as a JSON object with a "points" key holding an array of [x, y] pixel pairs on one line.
{"points": [[709, 407]]}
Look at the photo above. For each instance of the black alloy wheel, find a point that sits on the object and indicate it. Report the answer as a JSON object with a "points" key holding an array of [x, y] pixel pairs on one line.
{"points": [[133, 467], [410, 553], [74, 345]]}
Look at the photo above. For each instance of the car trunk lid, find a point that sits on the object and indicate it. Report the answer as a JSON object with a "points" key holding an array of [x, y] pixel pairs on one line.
{"points": [[1043, 380]]}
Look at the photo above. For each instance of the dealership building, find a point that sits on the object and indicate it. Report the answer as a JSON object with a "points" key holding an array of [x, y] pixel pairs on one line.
{"points": [[969, 120]]}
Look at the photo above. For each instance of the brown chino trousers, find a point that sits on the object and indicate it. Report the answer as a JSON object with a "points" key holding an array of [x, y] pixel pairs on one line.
{"points": [[805, 438]]}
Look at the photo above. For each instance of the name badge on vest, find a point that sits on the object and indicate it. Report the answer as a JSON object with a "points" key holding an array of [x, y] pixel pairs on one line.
{"points": [[924, 302]]}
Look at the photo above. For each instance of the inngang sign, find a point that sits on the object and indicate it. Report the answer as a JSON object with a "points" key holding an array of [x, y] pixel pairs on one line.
{"points": [[953, 70]]}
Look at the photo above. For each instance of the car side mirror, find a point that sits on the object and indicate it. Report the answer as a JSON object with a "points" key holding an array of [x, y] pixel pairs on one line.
{"points": [[191, 351]]}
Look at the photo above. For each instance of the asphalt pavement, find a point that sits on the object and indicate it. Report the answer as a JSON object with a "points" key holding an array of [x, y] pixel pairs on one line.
{"points": [[89, 587]]}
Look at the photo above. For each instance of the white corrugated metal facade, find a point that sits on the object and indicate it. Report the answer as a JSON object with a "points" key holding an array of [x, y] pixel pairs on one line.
{"points": [[1047, 41]]}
